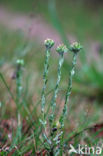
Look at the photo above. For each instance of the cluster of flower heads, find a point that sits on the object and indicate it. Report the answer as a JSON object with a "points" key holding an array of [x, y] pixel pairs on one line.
{"points": [[61, 49]]}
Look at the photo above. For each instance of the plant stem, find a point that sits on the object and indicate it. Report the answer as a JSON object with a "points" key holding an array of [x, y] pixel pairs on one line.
{"points": [[43, 98], [53, 101], [68, 93], [18, 99], [69, 89]]}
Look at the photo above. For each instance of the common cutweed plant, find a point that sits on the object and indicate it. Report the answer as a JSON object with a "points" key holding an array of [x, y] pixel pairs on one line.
{"points": [[49, 130], [74, 48], [55, 138]]}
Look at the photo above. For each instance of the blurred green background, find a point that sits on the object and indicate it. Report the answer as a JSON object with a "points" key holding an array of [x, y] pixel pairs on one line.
{"points": [[24, 24]]}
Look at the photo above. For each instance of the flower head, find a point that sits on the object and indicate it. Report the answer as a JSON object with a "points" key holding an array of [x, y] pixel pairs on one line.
{"points": [[61, 49], [49, 43], [75, 47], [20, 62]]}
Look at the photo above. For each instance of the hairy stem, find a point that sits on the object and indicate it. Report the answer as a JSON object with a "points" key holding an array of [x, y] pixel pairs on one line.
{"points": [[69, 89], [68, 93], [18, 98], [53, 101], [43, 98]]}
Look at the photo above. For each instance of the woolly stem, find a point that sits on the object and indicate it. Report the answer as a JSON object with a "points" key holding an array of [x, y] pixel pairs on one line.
{"points": [[53, 101], [43, 98], [69, 89], [18, 98], [18, 84]]}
